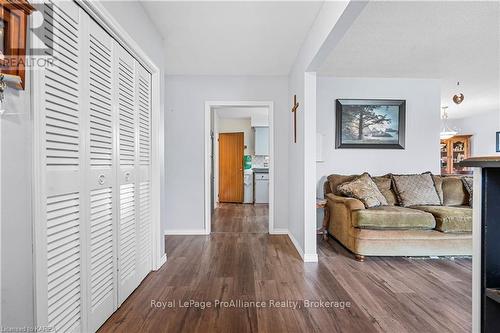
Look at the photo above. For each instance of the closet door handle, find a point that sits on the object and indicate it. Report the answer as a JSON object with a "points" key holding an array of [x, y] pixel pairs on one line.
{"points": [[101, 179], [127, 176]]}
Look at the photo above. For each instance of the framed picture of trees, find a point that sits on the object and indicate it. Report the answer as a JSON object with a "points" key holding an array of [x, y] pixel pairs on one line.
{"points": [[370, 123]]}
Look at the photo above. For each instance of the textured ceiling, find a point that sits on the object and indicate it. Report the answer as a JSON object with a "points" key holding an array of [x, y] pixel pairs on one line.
{"points": [[451, 41], [232, 38]]}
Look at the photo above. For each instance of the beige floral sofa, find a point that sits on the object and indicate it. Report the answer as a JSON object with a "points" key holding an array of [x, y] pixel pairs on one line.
{"points": [[392, 230]]}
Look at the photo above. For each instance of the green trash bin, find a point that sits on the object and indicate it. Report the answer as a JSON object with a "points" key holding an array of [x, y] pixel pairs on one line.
{"points": [[247, 162]]}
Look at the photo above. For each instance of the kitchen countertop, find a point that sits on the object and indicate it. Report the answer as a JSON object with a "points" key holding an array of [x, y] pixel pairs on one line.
{"points": [[260, 170], [481, 162]]}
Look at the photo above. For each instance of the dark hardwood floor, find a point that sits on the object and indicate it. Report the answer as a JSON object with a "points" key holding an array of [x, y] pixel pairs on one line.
{"points": [[243, 218], [385, 294]]}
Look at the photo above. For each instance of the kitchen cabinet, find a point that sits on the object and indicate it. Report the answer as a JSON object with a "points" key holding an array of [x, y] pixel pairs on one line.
{"points": [[261, 140], [453, 151], [261, 188]]}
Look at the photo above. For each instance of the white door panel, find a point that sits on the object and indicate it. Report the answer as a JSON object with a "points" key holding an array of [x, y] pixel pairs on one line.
{"points": [[126, 100], [94, 132], [59, 280], [144, 249], [100, 174]]}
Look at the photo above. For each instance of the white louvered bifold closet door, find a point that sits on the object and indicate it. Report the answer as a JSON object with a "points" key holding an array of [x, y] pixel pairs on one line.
{"points": [[59, 282], [101, 175], [94, 127], [144, 242], [125, 71]]}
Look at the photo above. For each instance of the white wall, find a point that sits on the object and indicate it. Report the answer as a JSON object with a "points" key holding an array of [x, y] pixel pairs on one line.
{"points": [[483, 127], [185, 107], [422, 127], [15, 208], [332, 22], [234, 125]]}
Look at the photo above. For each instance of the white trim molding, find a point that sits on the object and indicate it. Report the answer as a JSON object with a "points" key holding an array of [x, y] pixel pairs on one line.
{"points": [[310, 257], [209, 105], [186, 232], [279, 231], [306, 257], [310, 211], [296, 243], [163, 260]]}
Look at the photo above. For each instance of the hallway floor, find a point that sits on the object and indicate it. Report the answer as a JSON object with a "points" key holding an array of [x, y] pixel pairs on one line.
{"points": [[242, 218], [385, 294]]}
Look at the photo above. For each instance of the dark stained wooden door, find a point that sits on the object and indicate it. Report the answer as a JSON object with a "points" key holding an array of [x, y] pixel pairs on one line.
{"points": [[231, 147]]}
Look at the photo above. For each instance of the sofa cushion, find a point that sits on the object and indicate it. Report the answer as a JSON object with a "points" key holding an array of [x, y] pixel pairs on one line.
{"points": [[384, 184], [450, 219], [413, 190], [454, 192], [364, 189], [335, 180], [438, 183], [469, 186], [392, 217]]}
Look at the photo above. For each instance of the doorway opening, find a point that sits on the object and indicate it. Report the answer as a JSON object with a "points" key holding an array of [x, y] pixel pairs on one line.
{"points": [[239, 172]]}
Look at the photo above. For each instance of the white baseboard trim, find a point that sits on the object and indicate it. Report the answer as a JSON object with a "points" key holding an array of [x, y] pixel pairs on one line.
{"points": [[296, 244], [306, 257], [163, 260], [279, 231], [310, 257], [188, 232]]}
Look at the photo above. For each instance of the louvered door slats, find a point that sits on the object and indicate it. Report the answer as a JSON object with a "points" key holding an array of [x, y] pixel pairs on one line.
{"points": [[61, 91], [145, 223], [96, 155], [126, 102], [127, 231], [144, 120], [101, 234], [101, 131], [144, 202], [62, 161], [101, 244], [63, 260]]}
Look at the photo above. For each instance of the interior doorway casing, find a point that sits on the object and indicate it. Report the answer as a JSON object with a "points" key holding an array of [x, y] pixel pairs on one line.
{"points": [[209, 109]]}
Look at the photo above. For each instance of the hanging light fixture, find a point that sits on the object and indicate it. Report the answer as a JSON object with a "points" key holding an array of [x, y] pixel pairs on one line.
{"points": [[458, 97], [446, 131]]}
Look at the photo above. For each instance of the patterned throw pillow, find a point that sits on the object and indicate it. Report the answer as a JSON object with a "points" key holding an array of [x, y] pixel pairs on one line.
{"points": [[384, 184], [469, 185], [438, 183], [416, 190], [364, 189]]}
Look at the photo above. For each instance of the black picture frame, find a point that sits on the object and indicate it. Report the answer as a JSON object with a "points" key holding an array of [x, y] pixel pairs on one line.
{"points": [[339, 112], [498, 142]]}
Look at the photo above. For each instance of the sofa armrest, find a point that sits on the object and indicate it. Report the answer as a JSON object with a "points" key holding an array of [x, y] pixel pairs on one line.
{"points": [[340, 211], [349, 203]]}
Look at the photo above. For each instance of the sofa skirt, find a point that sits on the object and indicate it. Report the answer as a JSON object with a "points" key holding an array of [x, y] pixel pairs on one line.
{"points": [[369, 242]]}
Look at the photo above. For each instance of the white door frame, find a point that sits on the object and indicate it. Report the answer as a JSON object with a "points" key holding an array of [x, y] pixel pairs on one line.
{"points": [[102, 16], [209, 105]]}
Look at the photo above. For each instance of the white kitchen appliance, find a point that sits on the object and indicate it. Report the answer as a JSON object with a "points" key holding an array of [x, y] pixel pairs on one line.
{"points": [[261, 187], [248, 186]]}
